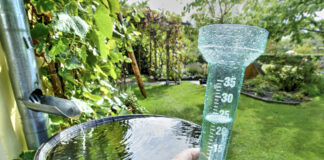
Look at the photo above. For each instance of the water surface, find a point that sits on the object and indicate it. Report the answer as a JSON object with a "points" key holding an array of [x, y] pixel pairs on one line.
{"points": [[153, 138]]}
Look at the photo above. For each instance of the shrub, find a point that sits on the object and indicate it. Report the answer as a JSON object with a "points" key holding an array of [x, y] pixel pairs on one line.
{"points": [[310, 90], [196, 70], [294, 77], [320, 83], [278, 96], [132, 104], [260, 92], [289, 73], [260, 82], [299, 96]]}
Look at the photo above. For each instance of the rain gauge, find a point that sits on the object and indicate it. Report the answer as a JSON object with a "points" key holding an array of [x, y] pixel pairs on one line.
{"points": [[228, 49]]}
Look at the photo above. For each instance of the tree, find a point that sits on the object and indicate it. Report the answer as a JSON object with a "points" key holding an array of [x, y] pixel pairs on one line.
{"points": [[295, 18], [212, 11]]}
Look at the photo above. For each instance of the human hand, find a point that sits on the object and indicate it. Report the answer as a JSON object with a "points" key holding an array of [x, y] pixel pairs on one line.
{"points": [[188, 154]]}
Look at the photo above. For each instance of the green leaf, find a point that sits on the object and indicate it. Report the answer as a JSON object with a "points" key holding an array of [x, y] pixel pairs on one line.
{"points": [[67, 76], [129, 49], [128, 19], [111, 44], [105, 91], [91, 96], [99, 41], [105, 3], [73, 63], [100, 113], [114, 57], [72, 8], [57, 49], [56, 119], [44, 6], [99, 70], [104, 21], [113, 74], [124, 112], [83, 53], [84, 107], [65, 23], [27, 155], [128, 60], [141, 14], [40, 31], [137, 19], [114, 6], [91, 60]]}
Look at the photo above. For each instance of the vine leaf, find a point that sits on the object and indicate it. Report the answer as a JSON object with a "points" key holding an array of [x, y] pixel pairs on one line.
{"points": [[99, 70], [137, 19], [105, 91], [124, 112], [57, 49], [67, 76], [105, 3], [104, 21], [83, 106], [97, 38], [72, 63], [91, 96], [65, 23], [113, 74], [40, 32], [44, 6], [114, 6]]}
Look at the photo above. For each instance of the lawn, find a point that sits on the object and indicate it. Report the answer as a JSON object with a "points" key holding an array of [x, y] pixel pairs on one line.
{"points": [[145, 78], [262, 131]]}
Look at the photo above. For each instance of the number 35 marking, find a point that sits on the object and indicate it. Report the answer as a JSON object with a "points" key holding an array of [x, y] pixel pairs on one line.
{"points": [[230, 82]]}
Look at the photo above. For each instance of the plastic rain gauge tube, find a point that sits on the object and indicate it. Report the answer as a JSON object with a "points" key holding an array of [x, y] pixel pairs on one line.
{"points": [[228, 49]]}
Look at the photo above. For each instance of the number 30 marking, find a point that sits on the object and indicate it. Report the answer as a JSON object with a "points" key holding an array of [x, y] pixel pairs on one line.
{"points": [[227, 98]]}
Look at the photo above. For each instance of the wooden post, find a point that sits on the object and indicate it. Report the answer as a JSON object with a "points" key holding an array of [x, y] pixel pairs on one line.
{"points": [[134, 63], [168, 56], [136, 72], [150, 50]]}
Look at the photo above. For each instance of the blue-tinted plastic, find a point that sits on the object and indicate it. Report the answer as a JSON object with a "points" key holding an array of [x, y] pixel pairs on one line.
{"points": [[228, 49]]}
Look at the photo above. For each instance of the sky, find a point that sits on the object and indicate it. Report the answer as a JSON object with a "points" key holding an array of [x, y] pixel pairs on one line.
{"points": [[175, 6], [320, 15]]}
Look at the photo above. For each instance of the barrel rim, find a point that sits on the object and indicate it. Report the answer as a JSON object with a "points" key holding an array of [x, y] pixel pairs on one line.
{"points": [[46, 148]]}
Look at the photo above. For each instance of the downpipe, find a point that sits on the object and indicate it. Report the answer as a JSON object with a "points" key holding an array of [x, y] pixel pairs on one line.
{"points": [[32, 104]]}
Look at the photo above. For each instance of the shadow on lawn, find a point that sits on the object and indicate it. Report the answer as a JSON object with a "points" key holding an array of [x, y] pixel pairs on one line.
{"points": [[152, 92], [294, 126], [188, 113], [179, 97]]}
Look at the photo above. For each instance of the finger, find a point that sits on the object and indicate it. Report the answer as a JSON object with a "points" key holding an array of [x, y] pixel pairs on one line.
{"points": [[189, 154]]}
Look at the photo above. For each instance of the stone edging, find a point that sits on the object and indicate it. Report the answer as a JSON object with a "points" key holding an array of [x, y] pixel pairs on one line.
{"points": [[269, 100]]}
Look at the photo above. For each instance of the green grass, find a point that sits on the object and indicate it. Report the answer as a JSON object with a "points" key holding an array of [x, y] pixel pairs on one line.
{"points": [[262, 131], [145, 78], [184, 101]]}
